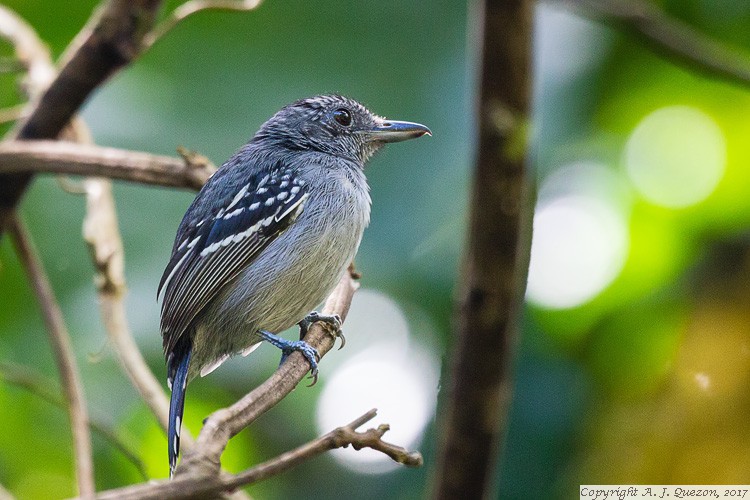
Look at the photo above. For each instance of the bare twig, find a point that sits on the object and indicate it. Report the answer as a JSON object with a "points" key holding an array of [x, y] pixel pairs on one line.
{"points": [[191, 486], [66, 363], [46, 389], [668, 35], [193, 7], [77, 159], [496, 261]]}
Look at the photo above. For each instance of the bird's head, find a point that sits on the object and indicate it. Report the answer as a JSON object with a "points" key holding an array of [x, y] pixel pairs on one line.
{"points": [[335, 125]]}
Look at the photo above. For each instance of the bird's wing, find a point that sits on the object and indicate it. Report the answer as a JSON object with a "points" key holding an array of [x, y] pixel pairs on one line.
{"points": [[217, 249]]}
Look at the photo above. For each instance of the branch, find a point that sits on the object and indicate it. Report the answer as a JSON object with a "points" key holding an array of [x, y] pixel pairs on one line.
{"points": [[66, 363], [199, 469], [496, 260], [42, 387], [670, 36], [191, 171], [191, 486], [193, 7], [110, 40]]}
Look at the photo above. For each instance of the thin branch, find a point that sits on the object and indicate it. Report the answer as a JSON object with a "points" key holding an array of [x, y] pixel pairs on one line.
{"points": [[190, 486], [670, 36], [193, 7], [42, 387], [87, 160], [66, 363]]}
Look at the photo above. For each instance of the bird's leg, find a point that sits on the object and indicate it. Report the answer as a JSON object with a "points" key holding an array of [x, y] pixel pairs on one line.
{"points": [[289, 346], [333, 323]]}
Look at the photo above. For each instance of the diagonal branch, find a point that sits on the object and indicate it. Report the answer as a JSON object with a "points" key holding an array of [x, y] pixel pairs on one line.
{"points": [[670, 36], [66, 363], [200, 487]]}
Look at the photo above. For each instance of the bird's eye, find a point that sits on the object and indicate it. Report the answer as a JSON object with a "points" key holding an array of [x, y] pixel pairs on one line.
{"points": [[343, 117]]}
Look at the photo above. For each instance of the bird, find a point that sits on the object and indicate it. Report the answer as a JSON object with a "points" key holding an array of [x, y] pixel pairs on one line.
{"points": [[267, 239]]}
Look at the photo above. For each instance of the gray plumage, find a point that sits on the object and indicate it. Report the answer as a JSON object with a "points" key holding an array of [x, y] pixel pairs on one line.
{"points": [[269, 235]]}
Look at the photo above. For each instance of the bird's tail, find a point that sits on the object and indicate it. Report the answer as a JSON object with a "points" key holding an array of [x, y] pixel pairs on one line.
{"points": [[178, 364]]}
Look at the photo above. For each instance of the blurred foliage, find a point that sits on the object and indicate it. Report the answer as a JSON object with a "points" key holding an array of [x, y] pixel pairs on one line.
{"points": [[644, 383]]}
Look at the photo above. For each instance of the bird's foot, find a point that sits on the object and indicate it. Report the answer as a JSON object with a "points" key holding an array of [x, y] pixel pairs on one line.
{"points": [[332, 322], [289, 346]]}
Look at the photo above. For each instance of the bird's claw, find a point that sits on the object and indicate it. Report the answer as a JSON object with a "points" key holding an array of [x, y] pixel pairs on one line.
{"points": [[332, 323], [289, 346]]}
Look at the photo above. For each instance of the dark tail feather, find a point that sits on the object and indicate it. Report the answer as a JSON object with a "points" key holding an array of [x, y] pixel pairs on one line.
{"points": [[179, 363]]}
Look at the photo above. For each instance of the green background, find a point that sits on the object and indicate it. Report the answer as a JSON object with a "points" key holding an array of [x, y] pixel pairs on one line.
{"points": [[645, 382]]}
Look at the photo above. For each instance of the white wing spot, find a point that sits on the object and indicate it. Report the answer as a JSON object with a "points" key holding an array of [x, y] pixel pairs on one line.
{"points": [[282, 195], [295, 190], [254, 206], [177, 425], [262, 190], [269, 202], [233, 213], [238, 197], [192, 243]]}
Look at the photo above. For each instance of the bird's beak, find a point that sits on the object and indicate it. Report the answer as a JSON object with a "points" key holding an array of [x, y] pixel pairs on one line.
{"points": [[395, 131]]}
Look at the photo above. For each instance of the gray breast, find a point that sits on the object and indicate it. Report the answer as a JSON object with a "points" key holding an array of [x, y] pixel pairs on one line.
{"points": [[291, 277]]}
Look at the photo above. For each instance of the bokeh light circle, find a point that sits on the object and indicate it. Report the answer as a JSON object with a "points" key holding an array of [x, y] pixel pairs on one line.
{"points": [[676, 156], [579, 246], [387, 370]]}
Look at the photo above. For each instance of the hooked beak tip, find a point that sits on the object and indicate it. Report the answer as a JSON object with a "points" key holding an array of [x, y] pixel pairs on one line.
{"points": [[396, 131]]}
